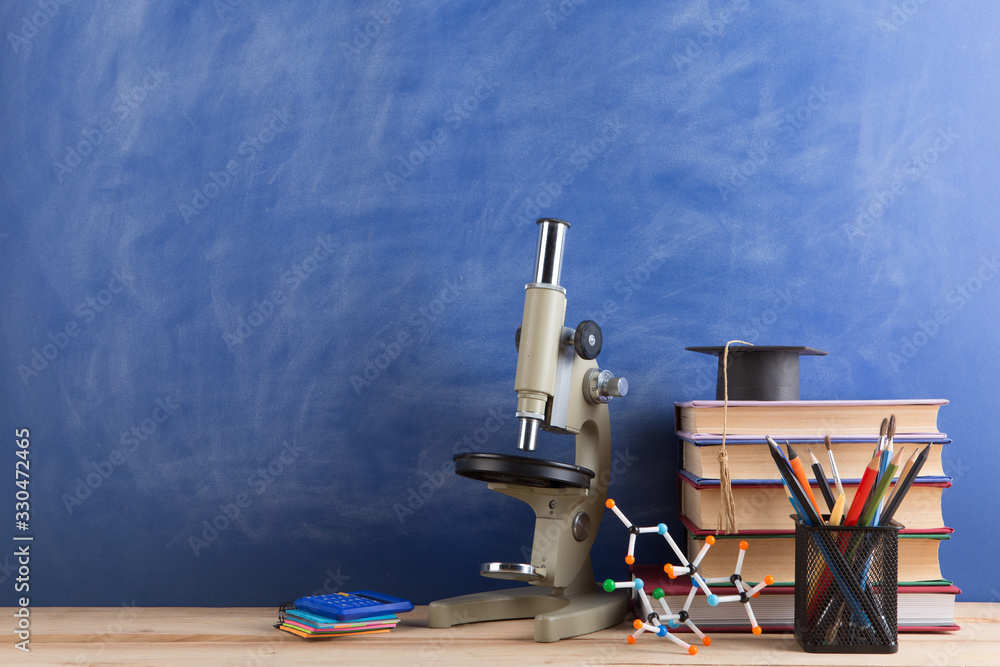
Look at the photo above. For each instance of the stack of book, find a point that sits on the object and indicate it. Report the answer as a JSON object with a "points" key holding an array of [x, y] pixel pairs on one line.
{"points": [[763, 512], [311, 625]]}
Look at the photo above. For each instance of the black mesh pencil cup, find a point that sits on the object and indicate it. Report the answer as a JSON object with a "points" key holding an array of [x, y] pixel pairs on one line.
{"points": [[845, 588]]}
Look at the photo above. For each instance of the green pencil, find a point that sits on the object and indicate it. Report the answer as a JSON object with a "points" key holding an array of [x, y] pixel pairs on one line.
{"points": [[879, 493]]}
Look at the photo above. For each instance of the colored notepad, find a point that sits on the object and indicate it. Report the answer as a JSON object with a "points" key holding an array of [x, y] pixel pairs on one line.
{"points": [[315, 620], [310, 625], [308, 635]]}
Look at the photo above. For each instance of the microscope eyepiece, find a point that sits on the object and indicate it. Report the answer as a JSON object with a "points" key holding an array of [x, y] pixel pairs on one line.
{"points": [[551, 241]]}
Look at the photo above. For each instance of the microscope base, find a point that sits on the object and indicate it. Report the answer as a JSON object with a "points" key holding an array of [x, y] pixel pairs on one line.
{"points": [[557, 615]]}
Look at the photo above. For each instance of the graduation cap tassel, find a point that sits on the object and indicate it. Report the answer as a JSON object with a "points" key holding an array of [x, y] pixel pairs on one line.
{"points": [[727, 509]]}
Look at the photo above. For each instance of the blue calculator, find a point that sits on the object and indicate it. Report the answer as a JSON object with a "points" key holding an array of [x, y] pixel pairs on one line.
{"points": [[353, 606]]}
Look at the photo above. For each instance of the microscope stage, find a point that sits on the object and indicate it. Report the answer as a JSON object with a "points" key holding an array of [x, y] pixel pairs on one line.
{"points": [[522, 470]]}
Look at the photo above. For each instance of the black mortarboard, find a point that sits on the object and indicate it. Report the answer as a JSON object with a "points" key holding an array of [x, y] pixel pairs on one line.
{"points": [[760, 372]]}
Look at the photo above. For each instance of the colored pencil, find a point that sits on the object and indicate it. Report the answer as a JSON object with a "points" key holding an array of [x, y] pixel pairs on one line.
{"points": [[800, 473], [784, 467], [904, 486], [861, 495], [883, 485], [861, 604], [902, 474], [824, 486]]}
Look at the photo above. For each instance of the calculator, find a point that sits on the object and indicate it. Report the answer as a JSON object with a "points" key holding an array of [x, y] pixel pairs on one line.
{"points": [[352, 606]]}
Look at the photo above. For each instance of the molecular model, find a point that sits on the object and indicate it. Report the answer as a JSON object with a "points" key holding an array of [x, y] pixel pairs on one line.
{"points": [[651, 621]]}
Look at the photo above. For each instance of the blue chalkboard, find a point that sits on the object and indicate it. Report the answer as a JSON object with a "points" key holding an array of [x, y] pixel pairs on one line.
{"points": [[262, 264]]}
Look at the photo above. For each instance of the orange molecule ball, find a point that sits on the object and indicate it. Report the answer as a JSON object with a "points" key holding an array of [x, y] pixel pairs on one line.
{"points": [[757, 630], [609, 503], [710, 540], [756, 595], [637, 624], [693, 650], [707, 641], [629, 559], [631, 639], [768, 580], [744, 545]]}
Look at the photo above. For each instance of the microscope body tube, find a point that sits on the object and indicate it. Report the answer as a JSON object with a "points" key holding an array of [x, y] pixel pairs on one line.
{"points": [[541, 333], [541, 343]]}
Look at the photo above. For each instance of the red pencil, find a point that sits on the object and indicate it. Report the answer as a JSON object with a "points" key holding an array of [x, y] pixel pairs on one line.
{"points": [[861, 495]]}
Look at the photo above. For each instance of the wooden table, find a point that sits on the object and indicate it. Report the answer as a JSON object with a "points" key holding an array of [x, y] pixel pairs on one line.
{"points": [[244, 636]]}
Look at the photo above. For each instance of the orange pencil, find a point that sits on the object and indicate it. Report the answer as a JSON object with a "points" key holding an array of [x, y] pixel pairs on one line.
{"points": [[800, 473], [861, 495]]}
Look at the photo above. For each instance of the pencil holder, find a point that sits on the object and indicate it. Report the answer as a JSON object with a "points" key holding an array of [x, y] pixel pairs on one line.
{"points": [[845, 588]]}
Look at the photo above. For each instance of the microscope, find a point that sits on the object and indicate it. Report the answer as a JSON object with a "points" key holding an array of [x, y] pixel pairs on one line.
{"points": [[560, 389]]}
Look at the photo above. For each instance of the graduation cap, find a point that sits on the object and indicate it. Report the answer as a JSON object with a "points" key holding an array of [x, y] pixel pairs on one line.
{"points": [[760, 372]]}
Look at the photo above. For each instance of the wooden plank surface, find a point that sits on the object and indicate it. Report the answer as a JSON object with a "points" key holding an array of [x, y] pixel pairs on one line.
{"points": [[244, 636]]}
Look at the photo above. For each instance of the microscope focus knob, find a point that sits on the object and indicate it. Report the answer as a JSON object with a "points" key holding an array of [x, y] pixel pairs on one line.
{"points": [[587, 339], [601, 386], [615, 387]]}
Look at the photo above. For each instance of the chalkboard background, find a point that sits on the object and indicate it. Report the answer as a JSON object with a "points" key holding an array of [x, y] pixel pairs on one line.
{"points": [[262, 264]]}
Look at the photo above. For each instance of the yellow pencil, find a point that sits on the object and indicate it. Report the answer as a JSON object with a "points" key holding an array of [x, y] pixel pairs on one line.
{"points": [[837, 513]]}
